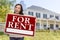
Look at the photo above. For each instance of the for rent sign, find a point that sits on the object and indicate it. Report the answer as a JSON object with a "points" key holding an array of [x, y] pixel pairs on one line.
{"points": [[19, 24]]}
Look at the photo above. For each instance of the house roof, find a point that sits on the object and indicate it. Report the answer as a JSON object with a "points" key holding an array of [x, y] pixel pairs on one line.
{"points": [[33, 7]]}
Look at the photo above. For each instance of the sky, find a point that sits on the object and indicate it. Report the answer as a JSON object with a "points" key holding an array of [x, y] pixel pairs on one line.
{"points": [[53, 5]]}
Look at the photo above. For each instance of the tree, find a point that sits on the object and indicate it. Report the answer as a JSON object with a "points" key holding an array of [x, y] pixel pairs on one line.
{"points": [[5, 6]]}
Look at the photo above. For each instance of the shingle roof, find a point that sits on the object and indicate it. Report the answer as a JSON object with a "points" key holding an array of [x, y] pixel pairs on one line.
{"points": [[36, 7], [33, 7]]}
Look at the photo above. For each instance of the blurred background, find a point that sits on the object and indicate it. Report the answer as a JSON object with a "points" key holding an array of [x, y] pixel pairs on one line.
{"points": [[47, 13]]}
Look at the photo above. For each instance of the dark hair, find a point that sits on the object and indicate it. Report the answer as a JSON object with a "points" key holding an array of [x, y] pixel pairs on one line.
{"points": [[21, 12]]}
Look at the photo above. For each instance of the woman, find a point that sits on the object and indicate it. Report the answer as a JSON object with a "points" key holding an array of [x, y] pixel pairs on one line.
{"points": [[17, 10]]}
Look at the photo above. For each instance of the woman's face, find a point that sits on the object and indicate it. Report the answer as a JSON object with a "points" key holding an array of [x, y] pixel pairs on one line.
{"points": [[17, 9]]}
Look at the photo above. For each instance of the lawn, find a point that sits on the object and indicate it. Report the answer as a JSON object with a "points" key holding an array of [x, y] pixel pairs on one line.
{"points": [[39, 35]]}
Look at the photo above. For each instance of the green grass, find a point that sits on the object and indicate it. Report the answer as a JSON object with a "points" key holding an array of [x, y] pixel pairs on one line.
{"points": [[39, 35], [1, 33], [4, 37]]}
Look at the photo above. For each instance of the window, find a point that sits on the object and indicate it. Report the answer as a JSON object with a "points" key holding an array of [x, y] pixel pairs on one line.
{"points": [[38, 15], [30, 13], [45, 26], [57, 25], [44, 15], [57, 17], [51, 26], [51, 16], [37, 25]]}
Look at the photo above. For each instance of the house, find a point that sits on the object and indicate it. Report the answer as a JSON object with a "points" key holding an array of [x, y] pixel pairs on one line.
{"points": [[46, 19]]}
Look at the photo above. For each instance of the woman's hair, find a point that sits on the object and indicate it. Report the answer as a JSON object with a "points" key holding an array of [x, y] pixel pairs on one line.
{"points": [[21, 12]]}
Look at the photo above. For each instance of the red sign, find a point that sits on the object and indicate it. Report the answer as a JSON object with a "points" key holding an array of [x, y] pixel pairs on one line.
{"points": [[19, 24]]}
